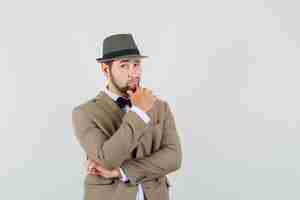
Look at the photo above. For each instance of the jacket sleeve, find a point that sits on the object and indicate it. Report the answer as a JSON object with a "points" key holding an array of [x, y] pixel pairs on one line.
{"points": [[166, 160], [108, 152]]}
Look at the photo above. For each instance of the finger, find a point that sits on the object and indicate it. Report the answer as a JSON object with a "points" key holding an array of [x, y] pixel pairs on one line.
{"points": [[130, 93], [92, 172], [93, 167], [90, 163], [89, 167], [99, 168], [95, 173]]}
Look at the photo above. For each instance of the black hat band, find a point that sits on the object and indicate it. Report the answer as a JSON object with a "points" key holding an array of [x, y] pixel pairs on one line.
{"points": [[121, 53]]}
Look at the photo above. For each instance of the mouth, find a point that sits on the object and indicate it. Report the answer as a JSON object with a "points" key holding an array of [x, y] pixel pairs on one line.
{"points": [[133, 82]]}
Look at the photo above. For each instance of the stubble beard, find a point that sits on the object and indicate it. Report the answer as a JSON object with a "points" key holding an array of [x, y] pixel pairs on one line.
{"points": [[122, 90]]}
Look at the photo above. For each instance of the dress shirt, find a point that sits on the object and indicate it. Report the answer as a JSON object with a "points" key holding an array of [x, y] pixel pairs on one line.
{"points": [[145, 117]]}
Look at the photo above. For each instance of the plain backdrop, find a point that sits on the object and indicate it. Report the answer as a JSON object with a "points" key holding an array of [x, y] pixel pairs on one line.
{"points": [[229, 70]]}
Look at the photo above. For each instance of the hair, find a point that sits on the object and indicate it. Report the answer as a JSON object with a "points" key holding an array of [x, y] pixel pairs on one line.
{"points": [[109, 63]]}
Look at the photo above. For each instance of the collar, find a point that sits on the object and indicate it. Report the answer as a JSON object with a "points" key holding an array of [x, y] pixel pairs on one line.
{"points": [[111, 94]]}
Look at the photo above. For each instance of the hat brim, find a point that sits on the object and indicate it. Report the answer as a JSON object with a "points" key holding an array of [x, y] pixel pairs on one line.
{"points": [[102, 60]]}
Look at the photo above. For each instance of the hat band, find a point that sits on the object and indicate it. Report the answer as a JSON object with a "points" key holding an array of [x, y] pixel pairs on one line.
{"points": [[121, 53]]}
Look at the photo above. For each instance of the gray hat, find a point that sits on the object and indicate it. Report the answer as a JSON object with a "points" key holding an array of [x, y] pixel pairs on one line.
{"points": [[119, 46]]}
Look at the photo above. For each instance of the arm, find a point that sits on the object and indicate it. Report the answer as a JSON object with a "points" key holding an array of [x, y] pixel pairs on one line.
{"points": [[107, 152], [167, 159]]}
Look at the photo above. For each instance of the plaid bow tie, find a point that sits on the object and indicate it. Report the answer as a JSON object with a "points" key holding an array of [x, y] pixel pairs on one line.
{"points": [[122, 102]]}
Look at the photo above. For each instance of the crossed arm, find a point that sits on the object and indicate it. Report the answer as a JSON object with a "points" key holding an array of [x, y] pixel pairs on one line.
{"points": [[111, 153]]}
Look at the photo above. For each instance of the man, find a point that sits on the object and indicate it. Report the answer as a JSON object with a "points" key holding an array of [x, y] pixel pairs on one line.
{"points": [[127, 133]]}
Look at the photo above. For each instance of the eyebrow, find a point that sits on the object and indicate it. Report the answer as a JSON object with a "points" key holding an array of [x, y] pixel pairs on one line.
{"points": [[124, 61]]}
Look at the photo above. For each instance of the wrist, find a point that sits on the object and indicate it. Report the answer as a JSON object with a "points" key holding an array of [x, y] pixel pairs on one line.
{"points": [[117, 173]]}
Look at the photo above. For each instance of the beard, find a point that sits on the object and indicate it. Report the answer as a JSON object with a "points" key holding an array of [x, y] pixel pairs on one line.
{"points": [[121, 89]]}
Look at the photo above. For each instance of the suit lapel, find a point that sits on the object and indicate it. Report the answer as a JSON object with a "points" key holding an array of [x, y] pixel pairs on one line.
{"points": [[109, 115], [107, 102]]}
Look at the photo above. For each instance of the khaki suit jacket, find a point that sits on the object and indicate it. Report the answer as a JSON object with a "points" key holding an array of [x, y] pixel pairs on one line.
{"points": [[114, 138]]}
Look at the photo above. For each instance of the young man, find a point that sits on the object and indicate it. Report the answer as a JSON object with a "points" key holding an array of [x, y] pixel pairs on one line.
{"points": [[127, 133]]}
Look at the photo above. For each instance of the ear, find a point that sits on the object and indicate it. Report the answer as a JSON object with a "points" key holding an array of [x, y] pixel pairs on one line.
{"points": [[105, 69]]}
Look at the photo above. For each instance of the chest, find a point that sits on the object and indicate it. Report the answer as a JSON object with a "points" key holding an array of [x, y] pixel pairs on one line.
{"points": [[110, 121]]}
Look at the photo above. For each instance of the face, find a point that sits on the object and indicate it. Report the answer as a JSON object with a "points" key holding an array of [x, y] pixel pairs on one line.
{"points": [[125, 74]]}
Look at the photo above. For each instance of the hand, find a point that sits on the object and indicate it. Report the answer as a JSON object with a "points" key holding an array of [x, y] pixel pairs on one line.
{"points": [[142, 98], [95, 169], [91, 168]]}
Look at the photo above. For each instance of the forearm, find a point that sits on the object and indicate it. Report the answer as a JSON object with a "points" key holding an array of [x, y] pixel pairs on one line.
{"points": [[164, 161], [161, 163], [108, 152]]}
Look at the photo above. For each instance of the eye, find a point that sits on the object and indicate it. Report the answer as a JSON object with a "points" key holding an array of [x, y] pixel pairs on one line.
{"points": [[124, 66]]}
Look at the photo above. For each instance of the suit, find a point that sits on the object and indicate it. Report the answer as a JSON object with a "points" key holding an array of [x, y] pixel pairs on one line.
{"points": [[112, 138]]}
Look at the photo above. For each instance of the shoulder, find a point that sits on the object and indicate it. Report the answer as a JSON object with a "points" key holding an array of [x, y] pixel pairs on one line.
{"points": [[91, 107], [84, 105], [84, 108]]}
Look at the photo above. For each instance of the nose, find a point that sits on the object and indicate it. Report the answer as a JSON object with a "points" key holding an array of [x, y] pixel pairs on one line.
{"points": [[136, 71]]}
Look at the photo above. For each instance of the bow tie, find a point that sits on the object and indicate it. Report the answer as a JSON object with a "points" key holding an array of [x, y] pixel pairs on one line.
{"points": [[122, 102]]}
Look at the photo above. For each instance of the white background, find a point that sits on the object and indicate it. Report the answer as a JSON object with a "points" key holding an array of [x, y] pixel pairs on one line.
{"points": [[229, 70]]}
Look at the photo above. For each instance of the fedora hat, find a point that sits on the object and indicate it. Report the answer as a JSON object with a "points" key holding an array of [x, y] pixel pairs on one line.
{"points": [[119, 46]]}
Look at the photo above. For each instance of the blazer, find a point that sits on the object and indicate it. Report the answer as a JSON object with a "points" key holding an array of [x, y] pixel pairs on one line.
{"points": [[114, 138]]}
